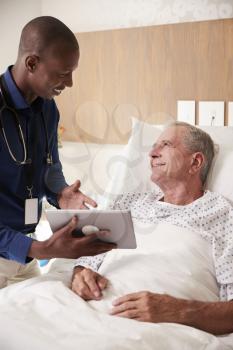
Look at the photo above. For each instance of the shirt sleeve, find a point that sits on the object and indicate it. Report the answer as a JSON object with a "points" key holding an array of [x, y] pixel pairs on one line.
{"points": [[92, 262], [55, 181], [226, 292], [223, 244], [14, 245]]}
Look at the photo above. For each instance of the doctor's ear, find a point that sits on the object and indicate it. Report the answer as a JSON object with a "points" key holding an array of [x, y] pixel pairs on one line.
{"points": [[31, 63]]}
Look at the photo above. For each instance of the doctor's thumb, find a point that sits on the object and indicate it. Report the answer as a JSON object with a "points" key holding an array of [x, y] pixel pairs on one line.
{"points": [[76, 185], [71, 226]]}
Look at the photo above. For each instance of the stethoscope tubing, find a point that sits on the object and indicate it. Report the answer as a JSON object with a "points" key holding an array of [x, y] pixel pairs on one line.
{"points": [[6, 107]]}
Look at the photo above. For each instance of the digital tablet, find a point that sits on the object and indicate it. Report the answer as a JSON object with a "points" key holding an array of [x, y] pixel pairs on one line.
{"points": [[119, 222]]}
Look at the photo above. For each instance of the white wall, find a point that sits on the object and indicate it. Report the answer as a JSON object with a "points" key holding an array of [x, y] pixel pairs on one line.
{"points": [[14, 14], [92, 15]]}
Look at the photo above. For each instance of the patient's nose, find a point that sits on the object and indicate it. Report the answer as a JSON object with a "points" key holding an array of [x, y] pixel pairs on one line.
{"points": [[154, 152]]}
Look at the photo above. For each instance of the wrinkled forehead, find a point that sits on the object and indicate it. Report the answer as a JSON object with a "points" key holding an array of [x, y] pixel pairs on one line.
{"points": [[174, 134]]}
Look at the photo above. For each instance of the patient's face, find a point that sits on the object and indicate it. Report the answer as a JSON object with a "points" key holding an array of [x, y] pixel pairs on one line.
{"points": [[170, 160]]}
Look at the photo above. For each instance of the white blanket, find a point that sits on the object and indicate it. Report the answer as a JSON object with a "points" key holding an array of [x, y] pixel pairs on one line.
{"points": [[43, 313]]}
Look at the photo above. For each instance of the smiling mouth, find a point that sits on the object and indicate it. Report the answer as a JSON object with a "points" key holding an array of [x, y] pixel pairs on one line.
{"points": [[156, 165], [57, 91]]}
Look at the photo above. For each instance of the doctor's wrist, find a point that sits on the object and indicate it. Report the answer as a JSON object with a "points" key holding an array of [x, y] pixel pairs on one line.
{"points": [[38, 250]]}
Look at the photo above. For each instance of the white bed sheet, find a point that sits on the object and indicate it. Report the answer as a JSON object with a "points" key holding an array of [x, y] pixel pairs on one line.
{"points": [[43, 313]]}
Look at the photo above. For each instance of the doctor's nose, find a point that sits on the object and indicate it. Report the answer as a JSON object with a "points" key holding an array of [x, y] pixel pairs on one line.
{"points": [[69, 80]]}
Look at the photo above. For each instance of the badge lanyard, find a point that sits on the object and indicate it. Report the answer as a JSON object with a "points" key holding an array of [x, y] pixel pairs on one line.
{"points": [[31, 204]]}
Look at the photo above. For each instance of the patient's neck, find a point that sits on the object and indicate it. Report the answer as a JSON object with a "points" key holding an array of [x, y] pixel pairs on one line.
{"points": [[182, 194]]}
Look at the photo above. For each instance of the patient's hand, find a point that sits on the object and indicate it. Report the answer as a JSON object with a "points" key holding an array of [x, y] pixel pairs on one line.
{"points": [[149, 307], [87, 283], [212, 317]]}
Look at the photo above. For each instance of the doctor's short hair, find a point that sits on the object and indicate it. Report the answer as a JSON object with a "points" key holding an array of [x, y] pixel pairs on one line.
{"points": [[197, 140], [42, 32]]}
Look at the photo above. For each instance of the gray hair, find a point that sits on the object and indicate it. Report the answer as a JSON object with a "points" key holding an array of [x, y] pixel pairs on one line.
{"points": [[197, 140]]}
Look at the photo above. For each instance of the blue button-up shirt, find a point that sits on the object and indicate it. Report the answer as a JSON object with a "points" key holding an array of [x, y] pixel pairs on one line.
{"points": [[14, 244]]}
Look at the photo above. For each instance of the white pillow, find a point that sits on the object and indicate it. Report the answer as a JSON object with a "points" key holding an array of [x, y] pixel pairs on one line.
{"points": [[219, 179], [133, 173]]}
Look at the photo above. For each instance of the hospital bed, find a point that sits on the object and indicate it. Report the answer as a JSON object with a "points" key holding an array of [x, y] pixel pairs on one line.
{"points": [[43, 313]]}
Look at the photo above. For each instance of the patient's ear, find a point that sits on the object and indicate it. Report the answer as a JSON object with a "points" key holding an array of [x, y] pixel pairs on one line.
{"points": [[197, 162]]}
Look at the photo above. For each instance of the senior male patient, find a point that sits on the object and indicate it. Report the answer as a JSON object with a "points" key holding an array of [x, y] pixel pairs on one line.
{"points": [[180, 162]]}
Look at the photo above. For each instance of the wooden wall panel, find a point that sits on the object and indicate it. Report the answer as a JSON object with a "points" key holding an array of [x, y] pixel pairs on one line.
{"points": [[143, 72]]}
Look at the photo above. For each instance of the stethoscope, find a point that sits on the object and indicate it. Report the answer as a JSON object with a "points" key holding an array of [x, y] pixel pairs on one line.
{"points": [[6, 107]]}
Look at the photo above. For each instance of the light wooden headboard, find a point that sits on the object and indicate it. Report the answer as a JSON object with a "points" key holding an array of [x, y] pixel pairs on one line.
{"points": [[143, 72]]}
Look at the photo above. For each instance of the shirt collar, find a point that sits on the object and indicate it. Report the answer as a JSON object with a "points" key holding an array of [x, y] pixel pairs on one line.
{"points": [[16, 96]]}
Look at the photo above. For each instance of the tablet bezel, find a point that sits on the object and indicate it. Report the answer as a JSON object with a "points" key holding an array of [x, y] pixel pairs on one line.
{"points": [[119, 222]]}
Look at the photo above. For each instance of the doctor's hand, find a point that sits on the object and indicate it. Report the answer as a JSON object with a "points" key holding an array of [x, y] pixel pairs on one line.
{"points": [[72, 198], [62, 244], [150, 307], [87, 283]]}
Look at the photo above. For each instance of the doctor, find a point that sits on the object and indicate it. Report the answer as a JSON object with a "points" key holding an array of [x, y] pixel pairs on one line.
{"points": [[30, 168]]}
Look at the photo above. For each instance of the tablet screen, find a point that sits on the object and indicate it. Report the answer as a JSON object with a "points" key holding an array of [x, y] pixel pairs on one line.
{"points": [[119, 222]]}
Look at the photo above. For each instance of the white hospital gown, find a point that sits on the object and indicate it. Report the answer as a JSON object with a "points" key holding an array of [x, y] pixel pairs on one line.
{"points": [[211, 216]]}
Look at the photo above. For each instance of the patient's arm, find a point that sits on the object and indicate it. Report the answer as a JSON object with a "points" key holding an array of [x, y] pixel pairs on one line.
{"points": [[212, 317], [87, 283], [92, 262]]}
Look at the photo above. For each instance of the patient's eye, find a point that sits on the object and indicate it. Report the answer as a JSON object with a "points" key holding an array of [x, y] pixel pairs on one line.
{"points": [[166, 143], [162, 144]]}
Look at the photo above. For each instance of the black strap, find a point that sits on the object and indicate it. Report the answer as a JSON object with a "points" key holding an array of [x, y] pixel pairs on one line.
{"points": [[30, 167], [6, 98], [1, 93], [6, 102], [31, 145]]}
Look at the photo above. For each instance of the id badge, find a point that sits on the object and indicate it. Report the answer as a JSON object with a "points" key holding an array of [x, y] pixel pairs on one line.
{"points": [[31, 211]]}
